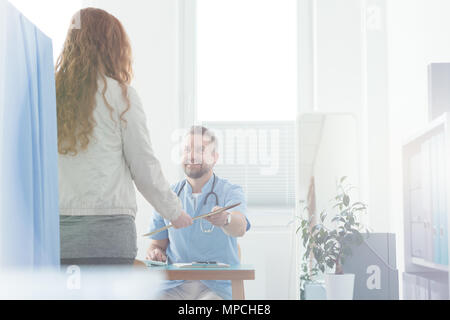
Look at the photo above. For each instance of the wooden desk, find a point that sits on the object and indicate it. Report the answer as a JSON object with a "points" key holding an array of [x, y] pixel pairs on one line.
{"points": [[237, 275]]}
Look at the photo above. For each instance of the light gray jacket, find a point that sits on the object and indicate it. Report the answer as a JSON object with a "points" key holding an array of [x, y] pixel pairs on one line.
{"points": [[99, 181]]}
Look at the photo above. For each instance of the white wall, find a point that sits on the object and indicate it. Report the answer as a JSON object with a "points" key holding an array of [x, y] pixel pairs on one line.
{"points": [[2, 95], [376, 114], [269, 247], [153, 29], [337, 156], [349, 76], [338, 58]]}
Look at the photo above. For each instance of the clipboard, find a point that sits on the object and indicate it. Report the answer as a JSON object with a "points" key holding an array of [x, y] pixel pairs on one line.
{"points": [[196, 218], [152, 263], [202, 265]]}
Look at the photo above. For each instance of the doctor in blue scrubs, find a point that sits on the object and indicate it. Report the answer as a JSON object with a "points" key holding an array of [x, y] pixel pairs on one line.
{"points": [[210, 239]]}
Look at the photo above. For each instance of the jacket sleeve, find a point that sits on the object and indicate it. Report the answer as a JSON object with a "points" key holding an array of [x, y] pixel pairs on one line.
{"points": [[145, 168]]}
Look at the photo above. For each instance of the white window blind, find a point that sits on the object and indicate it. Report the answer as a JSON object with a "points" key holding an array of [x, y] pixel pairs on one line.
{"points": [[260, 157]]}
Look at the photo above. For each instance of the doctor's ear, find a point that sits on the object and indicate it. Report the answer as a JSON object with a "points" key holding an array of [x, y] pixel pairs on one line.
{"points": [[216, 157]]}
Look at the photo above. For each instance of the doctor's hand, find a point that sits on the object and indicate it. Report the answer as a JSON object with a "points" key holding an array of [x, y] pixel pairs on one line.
{"points": [[218, 220], [156, 254], [183, 221]]}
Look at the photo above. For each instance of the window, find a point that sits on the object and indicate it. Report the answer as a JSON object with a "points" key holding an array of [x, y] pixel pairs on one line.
{"points": [[260, 157], [246, 59]]}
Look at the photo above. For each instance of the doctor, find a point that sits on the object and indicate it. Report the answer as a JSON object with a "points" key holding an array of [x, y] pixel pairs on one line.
{"points": [[210, 239]]}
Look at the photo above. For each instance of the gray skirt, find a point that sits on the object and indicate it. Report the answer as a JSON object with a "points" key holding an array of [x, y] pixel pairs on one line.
{"points": [[111, 239]]}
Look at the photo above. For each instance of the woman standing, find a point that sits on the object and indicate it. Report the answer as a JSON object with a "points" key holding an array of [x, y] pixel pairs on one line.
{"points": [[104, 146]]}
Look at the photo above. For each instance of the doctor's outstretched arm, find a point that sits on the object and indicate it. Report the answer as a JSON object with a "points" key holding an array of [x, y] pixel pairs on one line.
{"points": [[233, 224]]}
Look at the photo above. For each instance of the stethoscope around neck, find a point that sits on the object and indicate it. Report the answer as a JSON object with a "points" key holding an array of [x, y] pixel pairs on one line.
{"points": [[210, 194]]}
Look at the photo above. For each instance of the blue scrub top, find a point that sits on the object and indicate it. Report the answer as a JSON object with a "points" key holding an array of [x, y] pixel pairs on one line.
{"points": [[192, 244]]}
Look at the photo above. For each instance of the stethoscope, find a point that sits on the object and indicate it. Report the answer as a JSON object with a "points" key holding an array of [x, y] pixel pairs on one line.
{"points": [[211, 193]]}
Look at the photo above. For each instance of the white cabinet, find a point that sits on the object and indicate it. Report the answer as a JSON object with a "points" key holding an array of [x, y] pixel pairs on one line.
{"points": [[425, 180]]}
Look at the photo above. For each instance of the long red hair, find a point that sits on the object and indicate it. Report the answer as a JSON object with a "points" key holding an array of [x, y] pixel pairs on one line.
{"points": [[96, 46]]}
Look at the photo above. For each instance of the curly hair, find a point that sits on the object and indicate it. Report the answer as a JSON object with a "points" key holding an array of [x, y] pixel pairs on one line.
{"points": [[100, 48]]}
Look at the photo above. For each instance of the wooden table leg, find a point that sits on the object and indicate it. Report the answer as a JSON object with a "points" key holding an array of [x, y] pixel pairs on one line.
{"points": [[237, 287]]}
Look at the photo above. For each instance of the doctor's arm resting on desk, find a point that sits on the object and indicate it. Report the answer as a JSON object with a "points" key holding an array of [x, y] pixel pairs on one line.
{"points": [[157, 250]]}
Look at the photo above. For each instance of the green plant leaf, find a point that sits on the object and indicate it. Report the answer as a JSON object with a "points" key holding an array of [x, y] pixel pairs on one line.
{"points": [[335, 219], [351, 220], [346, 200], [330, 263], [323, 216], [308, 253], [306, 244], [322, 268], [359, 204], [344, 213], [317, 254]]}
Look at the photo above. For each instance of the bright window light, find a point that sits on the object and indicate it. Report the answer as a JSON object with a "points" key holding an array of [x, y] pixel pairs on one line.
{"points": [[247, 60], [53, 17]]}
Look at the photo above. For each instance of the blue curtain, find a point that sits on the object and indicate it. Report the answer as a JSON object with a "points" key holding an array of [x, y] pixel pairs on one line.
{"points": [[29, 217]]}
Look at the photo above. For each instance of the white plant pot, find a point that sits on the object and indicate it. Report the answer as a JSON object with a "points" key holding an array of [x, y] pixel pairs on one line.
{"points": [[340, 287]]}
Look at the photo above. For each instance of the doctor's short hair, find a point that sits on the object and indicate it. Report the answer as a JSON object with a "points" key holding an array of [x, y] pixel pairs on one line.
{"points": [[205, 132]]}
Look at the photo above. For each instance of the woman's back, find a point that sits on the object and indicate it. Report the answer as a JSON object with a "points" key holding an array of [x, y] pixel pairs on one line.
{"points": [[97, 181]]}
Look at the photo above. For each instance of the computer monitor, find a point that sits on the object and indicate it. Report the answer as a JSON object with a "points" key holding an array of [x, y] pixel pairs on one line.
{"points": [[439, 93]]}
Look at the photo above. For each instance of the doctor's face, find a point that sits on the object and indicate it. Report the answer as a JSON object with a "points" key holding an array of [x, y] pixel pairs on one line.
{"points": [[199, 156]]}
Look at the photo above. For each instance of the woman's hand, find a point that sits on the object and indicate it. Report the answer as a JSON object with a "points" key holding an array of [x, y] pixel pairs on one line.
{"points": [[183, 221]]}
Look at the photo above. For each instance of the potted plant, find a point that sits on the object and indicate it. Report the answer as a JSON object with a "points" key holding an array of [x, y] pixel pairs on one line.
{"points": [[310, 287], [328, 239]]}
